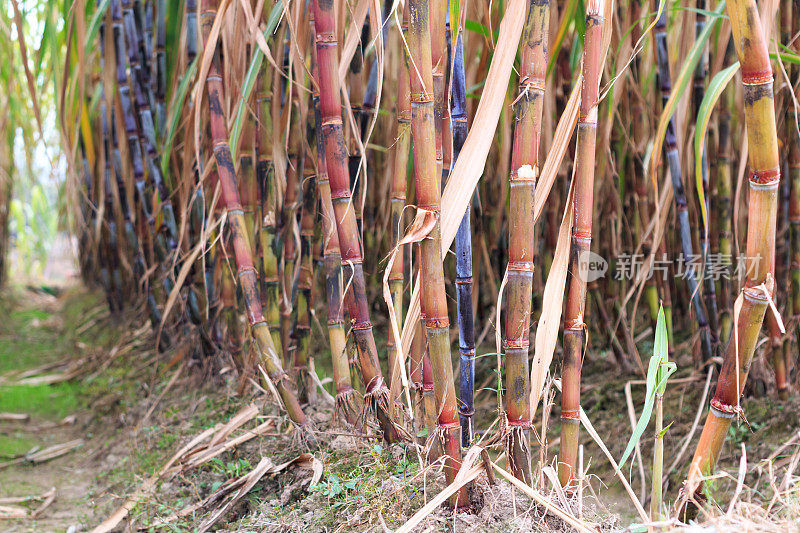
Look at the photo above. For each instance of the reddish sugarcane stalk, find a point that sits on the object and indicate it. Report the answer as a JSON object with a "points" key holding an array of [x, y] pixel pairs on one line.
{"points": [[419, 342], [243, 253], [347, 399], [433, 297], [522, 235], [759, 112], [574, 326], [377, 394]]}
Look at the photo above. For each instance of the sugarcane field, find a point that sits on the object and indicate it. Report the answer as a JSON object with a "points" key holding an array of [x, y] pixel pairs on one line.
{"points": [[400, 266]]}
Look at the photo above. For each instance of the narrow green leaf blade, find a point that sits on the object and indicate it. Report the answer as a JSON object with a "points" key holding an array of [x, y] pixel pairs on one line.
{"points": [[713, 92], [657, 362]]}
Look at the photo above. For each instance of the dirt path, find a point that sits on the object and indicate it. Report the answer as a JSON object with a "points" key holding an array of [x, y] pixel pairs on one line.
{"points": [[33, 335]]}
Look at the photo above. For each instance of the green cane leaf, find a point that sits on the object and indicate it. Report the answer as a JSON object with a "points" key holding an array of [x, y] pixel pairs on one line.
{"points": [[658, 371], [714, 91], [94, 24], [250, 78], [455, 18], [682, 81]]}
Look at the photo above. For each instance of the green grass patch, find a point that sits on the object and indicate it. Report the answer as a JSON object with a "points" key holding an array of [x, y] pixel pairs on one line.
{"points": [[14, 445], [46, 401]]}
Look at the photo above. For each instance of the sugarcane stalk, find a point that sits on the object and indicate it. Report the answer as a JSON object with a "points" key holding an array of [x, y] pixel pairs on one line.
{"points": [[794, 211], [574, 326], [305, 305], [791, 210], [764, 179], [402, 145], [246, 271], [463, 246], [377, 394], [140, 88], [348, 402], [191, 29], [724, 213], [135, 154], [522, 235], [356, 93], [268, 242], [637, 160], [428, 190], [160, 77], [673, 158], [290, 229]]}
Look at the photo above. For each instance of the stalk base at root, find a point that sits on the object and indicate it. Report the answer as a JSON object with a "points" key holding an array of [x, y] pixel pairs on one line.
{"points": [[376, 403], [725, 404], [449, 438], [518, 446], [348, 405]]}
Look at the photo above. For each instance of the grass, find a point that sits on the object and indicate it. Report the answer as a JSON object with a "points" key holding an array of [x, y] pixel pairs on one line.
{"points": [[14, 445], [50, 402], [32, 337]]}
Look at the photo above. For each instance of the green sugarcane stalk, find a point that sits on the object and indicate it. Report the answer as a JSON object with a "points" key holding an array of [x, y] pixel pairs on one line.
{"points": [[290, 229], [268, 241], [305, 304], [723, 207], [398, 186]]}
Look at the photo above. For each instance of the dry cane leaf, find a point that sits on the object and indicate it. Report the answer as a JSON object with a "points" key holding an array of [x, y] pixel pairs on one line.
{"points": [[110, 523], [264, 467], [544, 502]]}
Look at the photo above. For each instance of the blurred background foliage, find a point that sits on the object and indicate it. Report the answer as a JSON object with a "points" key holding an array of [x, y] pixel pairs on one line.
{"points": [[32, 167]]}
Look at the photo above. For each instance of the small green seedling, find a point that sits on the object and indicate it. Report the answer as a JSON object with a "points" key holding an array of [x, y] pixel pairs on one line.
{"points": [[658, 372]]}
